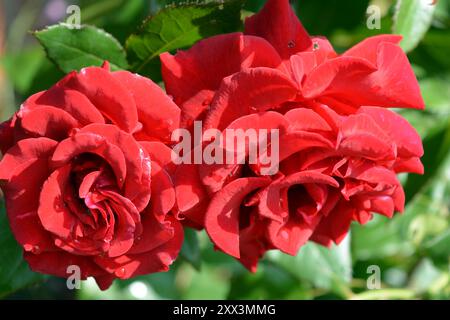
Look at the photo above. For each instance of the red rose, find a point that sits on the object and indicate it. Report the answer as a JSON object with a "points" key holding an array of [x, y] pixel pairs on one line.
{"points": [[82, 187], [338, 157]]}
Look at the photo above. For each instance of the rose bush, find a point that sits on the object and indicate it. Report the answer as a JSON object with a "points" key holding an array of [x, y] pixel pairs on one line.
{"points": [[86, 176], [340, 148]]}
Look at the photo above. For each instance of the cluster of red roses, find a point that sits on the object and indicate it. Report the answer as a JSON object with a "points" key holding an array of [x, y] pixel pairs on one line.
{"points": [[87, 172]]}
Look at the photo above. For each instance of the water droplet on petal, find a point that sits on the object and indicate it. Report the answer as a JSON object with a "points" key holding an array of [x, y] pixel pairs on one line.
{"points": [[36, 250], [316, 46], [291, 44], [121, 272]]}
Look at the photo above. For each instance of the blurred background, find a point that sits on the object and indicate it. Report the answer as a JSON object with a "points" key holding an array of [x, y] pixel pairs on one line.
{"points": [[409, 255]]}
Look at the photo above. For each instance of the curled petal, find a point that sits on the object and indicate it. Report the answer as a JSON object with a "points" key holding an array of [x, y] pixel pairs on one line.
{"points": [[91, 143], [163, 192], [303, 119], [398, 130], [48, 122], [278, 24], [53, 214], [222, 217], [73, 102], [249, 91], [138, 167], [188, 77], [158, 114], [368, 48], [57, 263], [156, 260], [110, 96]]}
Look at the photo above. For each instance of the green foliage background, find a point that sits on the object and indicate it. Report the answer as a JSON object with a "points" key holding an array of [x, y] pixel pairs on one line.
{"points": [[412, 250]]}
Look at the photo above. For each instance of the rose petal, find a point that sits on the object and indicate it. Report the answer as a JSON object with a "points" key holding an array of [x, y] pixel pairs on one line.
{"points": [[48, 122], [158, 114], [249, 91], [279, 25], [222, 217], [188, 77], [109, 96]]}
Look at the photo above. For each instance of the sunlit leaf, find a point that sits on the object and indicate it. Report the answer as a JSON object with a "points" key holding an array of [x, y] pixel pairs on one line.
{"points": [[73, 49], [412, 20], [176, 27]]}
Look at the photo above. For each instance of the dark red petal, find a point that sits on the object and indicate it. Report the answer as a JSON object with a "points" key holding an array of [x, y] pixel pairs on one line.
{"points": [[109, 96], [138, 165], [249, 91], [104, 282], [91, 143], [155, 233], [253, 243], [188, 77], [188, 187], [279, 25], [287, 231], [334, 227], [48, 122], [73, 102], [6, 135], [25, 168], [156, 260], [163, 192], [127, 224], [53, 213], [222, 217], [160, 153], [57, 263], [25, 151], [270, 205], [158, 114]]}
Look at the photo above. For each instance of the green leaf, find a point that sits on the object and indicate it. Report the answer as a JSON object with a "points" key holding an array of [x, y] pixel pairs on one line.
{"points": [[14, 271], [436, 93], [117, 17], [178, 27], [269, 282], [208, 284], [423, 276], [191, 248], [324, 268], [73, 49], [326, 18], [412, 19], [379, 238]]}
